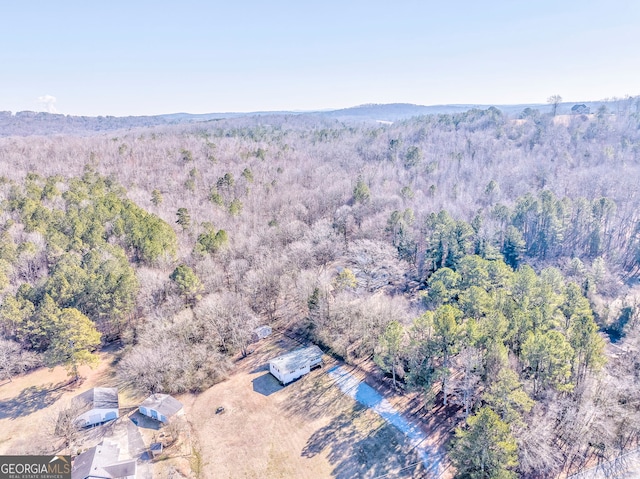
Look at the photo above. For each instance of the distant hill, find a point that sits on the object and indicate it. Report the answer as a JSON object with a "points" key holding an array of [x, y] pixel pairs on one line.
{"points": [[401, 111], [27, 123]]}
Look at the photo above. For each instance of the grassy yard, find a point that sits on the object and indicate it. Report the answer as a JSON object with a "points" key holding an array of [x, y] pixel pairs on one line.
{"points": [[308, 429], [29, 405]]}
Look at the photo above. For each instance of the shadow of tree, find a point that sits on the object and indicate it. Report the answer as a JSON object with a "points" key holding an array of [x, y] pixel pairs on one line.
{"points": [[260, 368], [107, 378], [30, 400], [260, 353], [360, 444], [357, 440], [314, 396]]}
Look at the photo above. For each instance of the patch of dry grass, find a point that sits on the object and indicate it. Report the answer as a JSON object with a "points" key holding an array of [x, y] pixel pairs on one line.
{"points": [[308, 429], [29, 405]]}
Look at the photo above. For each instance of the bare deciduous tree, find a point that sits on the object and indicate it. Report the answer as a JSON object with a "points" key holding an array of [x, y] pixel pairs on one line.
{"points": [[65, 426], [554, 101]]}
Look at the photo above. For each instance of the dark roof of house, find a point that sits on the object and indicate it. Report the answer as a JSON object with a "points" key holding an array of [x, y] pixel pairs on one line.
{"points": [[102, 461], [96, 398], [163, 403], [580, 108]]}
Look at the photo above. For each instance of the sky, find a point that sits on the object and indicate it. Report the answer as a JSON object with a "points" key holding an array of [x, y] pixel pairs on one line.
{"points": [[139, 57]]}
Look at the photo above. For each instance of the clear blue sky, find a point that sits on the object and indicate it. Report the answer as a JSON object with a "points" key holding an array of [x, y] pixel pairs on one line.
{"points": [[150, 57]]}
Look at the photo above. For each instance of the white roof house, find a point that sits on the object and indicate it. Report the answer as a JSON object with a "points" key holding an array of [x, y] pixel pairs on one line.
{"points": [[96, 406], [291, 366], [161, 407], [102, 462]]}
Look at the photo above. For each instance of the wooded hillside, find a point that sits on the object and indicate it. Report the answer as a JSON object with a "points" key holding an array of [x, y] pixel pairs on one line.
{"points": [[484, 260]]}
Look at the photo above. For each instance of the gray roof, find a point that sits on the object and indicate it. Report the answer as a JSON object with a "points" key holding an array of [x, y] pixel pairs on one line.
{"points": [[262, 331], [298, 358], [96, 398], [102, 461], [163, 403]]}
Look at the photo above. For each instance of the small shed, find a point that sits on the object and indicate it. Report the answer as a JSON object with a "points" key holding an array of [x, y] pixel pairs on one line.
{"points": [[295, 364], [161, 407], [260, 332], [96, 406]]}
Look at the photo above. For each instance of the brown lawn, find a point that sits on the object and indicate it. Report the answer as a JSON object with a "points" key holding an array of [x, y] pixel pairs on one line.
{"points": [[307, 429], [28, 404]]}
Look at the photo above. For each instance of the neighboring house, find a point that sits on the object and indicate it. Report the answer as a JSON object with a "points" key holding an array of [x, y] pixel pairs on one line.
{"points": [[260, 332], [161, 407], [291, 366], [96, 406], [102, 462], [580, 109]]}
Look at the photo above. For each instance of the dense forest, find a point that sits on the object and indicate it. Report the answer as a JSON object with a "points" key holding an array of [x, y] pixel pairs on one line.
{"points": [[488, 261]]}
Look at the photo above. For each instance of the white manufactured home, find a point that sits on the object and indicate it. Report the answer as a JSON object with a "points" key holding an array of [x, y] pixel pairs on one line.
{"points": [[291, 366], [96, 406]]}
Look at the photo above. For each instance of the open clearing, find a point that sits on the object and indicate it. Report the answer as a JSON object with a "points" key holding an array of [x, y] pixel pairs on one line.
{"points": [[309, 429], [29, 403]]}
